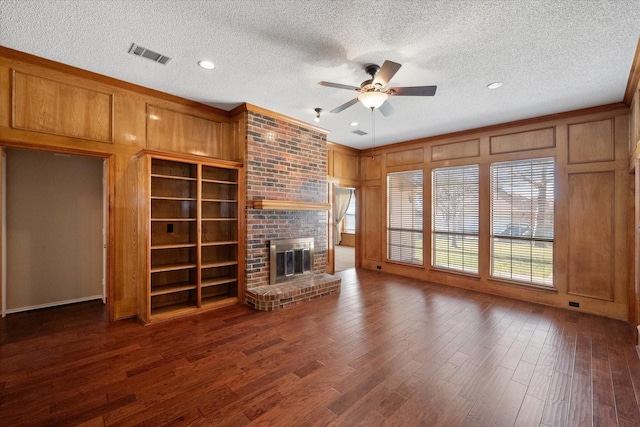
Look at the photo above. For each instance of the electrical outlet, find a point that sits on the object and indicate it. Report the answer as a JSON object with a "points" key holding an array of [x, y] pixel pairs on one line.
{"points": [[169, 228], [574, 304], [379, 267]]}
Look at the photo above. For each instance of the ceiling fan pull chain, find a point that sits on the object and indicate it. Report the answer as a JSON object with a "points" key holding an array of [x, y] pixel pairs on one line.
{"points": [[373, 132]]}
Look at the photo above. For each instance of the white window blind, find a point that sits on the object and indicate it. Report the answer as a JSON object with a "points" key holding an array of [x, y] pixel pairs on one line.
{"points": [[454, 223], [405, 216], [522, 201]]}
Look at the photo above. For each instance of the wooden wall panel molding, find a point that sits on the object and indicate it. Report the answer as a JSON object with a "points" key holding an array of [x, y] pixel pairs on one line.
{"points": [[591, 142], [169, 130], [523, 141], [407, 157], [456, 150], [634, 126], [57, 108], [370, 167], [592, 234], [372, 222], [344, 166]]}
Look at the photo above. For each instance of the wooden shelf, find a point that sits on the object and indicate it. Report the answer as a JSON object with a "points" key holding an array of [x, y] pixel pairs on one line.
{"points": [[219, 302], [178, 178], [285, 205], [174, 246], [173, 288], [172, 267], [218, 264], [219, 281], [219, 219], [215, 181], [173, 219], [220, 243], [176, 199]]}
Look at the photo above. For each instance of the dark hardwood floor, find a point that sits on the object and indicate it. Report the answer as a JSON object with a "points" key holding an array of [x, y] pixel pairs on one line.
{"points": [[385, 351]]}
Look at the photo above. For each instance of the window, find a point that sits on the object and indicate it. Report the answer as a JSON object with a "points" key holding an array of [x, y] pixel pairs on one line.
{"points": [[455, 218], [350, 215], [522, 196], [404, 216]]}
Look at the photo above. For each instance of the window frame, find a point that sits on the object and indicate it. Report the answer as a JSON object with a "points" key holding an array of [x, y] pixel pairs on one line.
{"points": [[396, 244], [469, 235], [514, 236]]}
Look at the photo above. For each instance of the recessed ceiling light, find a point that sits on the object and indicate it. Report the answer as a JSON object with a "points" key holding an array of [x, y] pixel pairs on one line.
{"points": [[494, 85], [207, 65], [354, 123]]}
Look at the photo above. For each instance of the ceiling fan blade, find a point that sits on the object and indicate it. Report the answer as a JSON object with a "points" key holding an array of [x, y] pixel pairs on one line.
{"points": [[413, 91], [386, 73], [387, 109], [338, 85], [345, 106]]}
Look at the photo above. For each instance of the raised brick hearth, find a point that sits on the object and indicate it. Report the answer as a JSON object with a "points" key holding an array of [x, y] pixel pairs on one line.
{"points": [[275, 297], [285, 162]]}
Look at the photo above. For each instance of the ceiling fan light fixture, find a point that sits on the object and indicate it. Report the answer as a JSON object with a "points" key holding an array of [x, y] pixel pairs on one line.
{"points": [[373, 100], [317, 117]]}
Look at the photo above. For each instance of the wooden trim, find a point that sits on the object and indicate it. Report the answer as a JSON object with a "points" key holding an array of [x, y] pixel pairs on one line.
{"points": [[493, 128], [634, 77], [210, 161], [342, 148], [286, 205], [272, 114]]}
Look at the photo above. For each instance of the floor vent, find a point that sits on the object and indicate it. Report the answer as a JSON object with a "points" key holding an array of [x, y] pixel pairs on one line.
{"points": [[149, 54]]}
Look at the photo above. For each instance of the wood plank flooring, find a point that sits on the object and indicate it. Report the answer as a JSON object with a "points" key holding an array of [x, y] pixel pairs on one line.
{"points": [[386, 351]]}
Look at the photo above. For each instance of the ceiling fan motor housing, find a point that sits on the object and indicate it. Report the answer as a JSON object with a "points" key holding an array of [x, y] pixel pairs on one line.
{"points": [[372, 70]]}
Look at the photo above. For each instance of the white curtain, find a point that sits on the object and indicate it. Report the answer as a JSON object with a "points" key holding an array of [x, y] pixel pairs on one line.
{"points": [[342, 197]]}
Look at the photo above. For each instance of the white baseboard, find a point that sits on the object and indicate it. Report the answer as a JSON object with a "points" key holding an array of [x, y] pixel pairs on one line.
{"points": [[52, 304]]}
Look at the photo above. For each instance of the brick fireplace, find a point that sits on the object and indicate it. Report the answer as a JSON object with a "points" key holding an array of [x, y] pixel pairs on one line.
{"points": [[286, 163]]}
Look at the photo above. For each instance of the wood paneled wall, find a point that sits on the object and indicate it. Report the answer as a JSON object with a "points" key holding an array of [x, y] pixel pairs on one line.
{"points": [[632, 97], [593, 204], [50, 106]]}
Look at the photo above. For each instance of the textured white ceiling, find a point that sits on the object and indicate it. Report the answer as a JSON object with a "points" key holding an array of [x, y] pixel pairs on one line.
{"points": [[552, 55]]}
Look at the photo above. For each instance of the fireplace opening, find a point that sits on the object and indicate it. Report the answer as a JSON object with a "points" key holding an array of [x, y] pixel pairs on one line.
{"points": [[290, 259]]}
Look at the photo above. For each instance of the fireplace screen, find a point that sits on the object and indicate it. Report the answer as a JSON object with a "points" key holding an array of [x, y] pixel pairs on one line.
{"points": [[290, 258]]}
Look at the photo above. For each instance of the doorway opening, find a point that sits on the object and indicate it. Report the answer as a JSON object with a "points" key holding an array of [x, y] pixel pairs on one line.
{"points": [[345, 232], [54, 221]]}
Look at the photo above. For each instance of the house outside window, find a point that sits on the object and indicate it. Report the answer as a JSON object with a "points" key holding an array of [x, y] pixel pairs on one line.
{"points": [[455, 206], [522, 210], [405, 217]]}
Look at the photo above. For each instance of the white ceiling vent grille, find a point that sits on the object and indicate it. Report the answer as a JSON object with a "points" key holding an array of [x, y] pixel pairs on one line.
{"points": [[149, 54], [359, 132]]}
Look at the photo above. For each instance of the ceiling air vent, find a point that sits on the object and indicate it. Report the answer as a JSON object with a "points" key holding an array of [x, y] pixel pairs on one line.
{"points": [[149, 54], [359, 132]]}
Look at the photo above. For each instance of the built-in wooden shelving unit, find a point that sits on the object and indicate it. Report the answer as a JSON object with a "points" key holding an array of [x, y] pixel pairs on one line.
{"points": [[192, 218]]}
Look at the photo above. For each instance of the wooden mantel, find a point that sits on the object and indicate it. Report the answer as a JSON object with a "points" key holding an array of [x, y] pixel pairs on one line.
{"points": [[289, 205]]}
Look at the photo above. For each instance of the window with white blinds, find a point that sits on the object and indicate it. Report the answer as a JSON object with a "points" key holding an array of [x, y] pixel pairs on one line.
{"points": [[455, 195], [405, 216], [522, 201]]}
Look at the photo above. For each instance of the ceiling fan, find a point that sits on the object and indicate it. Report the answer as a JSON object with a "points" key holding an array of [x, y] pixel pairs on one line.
{"points": [[373, 93]]}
